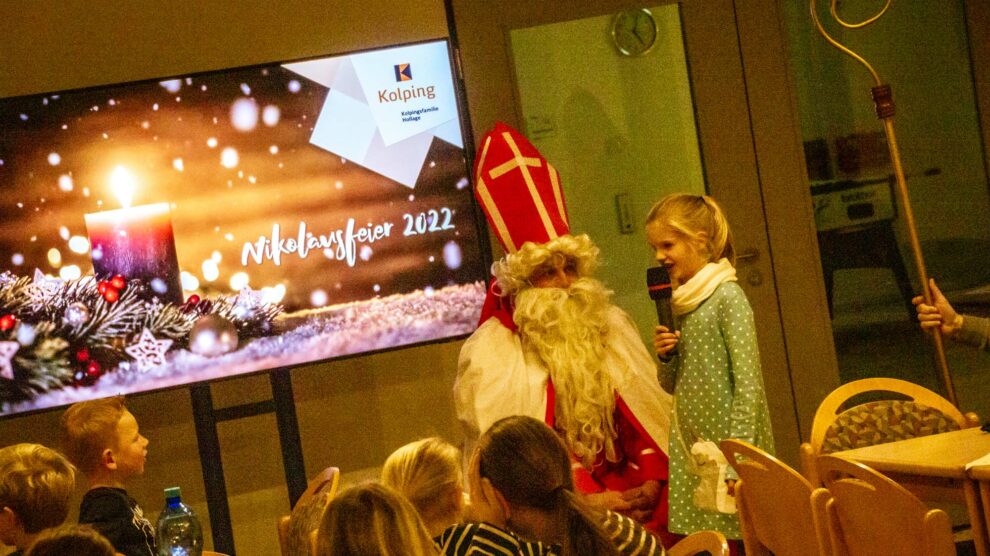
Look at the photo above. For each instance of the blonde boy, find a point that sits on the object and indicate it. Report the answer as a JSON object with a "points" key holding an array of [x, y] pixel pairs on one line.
{"points": [[36, 484], [101, 437]]}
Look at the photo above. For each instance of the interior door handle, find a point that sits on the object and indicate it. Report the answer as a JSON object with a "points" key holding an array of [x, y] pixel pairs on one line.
{"points": [[748, 256]]}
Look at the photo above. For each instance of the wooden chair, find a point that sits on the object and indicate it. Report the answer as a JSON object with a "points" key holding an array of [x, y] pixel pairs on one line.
{"points": [[774, 502], [700, 542], [328, 481], [912, 411], [869, 514]]}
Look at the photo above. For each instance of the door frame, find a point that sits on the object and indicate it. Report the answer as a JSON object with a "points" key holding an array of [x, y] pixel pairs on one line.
{"points": [[977, 21]]}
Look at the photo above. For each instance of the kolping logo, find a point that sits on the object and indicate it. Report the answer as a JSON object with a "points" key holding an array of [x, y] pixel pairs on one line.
{"points": [[403, 72]]}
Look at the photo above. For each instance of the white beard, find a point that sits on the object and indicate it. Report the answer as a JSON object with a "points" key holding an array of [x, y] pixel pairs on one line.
{"points": [[566, 330]]}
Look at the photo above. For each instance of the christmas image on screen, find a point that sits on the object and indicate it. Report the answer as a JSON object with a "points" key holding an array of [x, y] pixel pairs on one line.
{"points": [[180, 230]]}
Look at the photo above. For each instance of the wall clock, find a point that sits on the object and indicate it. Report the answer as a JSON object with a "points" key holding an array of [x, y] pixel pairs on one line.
{"points": [[634, 32]]}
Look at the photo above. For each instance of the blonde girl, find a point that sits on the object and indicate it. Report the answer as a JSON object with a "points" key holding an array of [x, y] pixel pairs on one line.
{"points": [[372, 520], [714, 373], [428, 473]]}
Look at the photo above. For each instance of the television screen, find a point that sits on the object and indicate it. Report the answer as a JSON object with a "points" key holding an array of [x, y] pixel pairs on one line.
{"points": [[159, 233]]}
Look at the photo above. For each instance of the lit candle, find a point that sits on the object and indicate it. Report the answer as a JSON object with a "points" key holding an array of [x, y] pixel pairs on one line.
{"points": [[136, 242]]}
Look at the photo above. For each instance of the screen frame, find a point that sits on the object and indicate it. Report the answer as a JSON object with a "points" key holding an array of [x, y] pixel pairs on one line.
{"points": [[477, 217]]}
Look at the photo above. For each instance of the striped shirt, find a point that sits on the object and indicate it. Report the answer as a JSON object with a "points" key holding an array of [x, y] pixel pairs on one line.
{"points": [[629, 537], [470, 539], [484, 539]]}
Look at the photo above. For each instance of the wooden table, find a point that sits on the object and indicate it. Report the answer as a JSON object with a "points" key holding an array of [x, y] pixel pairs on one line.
{"points": [[934, 468], [981, 475]]}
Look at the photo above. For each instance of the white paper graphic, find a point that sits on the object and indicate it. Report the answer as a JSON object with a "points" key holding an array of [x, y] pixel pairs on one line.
{"points": [[385, 107]]}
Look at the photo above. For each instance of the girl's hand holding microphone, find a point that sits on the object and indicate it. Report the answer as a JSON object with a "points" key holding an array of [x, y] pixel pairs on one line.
{"points": [[664, 341]]}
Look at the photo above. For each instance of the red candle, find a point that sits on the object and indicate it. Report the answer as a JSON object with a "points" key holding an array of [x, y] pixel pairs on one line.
{"points": [[136, 242]]}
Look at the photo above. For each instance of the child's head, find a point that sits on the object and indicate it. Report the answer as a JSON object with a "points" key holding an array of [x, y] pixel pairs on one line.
{"points": [[78, 540], [304, 520], [372, 519], [428, 473], [36, 484], [698, 219], [525, 460], [102, 437], [528, 464]]}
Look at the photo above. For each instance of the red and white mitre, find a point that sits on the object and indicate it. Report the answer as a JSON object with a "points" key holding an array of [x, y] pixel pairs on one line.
{"points": [[518, 190], [521, 195]]}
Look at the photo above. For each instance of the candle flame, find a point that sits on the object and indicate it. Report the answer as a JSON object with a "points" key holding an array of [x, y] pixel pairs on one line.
{"points": [[123, 184]]}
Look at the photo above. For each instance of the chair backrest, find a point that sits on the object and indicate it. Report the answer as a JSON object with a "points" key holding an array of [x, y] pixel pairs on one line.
{"points": [[327, 480], [912, 411], [869, 514], [774, 503], [700, 542]]}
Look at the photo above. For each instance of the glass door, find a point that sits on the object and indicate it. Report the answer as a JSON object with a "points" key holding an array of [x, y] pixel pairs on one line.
{"points": [[923, 50]]}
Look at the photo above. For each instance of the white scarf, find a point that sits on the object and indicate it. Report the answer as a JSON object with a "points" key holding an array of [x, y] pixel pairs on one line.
{"points": [[701, 286]]}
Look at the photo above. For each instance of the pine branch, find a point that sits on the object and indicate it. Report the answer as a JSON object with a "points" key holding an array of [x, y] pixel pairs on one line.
{"points": [[254, 322], [39, 367], [14, 298], [169, 321], [47, 362], [108, 321]]}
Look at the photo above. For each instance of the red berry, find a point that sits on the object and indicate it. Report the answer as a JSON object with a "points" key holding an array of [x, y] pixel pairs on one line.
{"points": [[118, 282], [7, 322], [112, 294], [193, 299], [102, 286], [93, 369], [82, 355]]}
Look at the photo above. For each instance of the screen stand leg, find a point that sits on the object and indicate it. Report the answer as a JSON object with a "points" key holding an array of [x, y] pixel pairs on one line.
{"points": [[207, 417], [209, 460], [288, 434]]}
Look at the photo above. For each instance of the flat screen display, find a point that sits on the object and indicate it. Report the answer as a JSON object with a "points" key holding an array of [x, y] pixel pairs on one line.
{"points": [[180, 230]]}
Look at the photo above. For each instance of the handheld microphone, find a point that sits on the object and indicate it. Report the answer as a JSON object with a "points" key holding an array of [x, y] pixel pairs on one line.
{"points": [[658, 284]]}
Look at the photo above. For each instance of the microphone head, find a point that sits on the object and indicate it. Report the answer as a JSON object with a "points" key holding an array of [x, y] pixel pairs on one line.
{"points": [[658, 282]]}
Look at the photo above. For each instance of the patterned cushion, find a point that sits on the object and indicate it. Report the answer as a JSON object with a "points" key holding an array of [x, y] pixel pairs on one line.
{"points": [[884, 421]]}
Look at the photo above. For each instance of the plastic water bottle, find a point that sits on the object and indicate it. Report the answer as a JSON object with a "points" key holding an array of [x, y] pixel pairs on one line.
{"points": [[179, 532]]}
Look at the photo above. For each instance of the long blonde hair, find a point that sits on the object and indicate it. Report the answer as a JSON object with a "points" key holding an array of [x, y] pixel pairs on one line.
{"points": [[428, 473], [698, 217], [372, 520]]}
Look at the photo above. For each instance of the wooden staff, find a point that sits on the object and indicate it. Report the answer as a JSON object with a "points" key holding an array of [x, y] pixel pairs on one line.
{"points": [[883, 102]]}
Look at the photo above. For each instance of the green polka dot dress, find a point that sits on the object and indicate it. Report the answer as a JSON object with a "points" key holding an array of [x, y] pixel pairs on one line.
{"points": [[718, 385]]}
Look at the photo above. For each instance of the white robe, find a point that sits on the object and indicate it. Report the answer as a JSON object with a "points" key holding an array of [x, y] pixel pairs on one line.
{"points": [[497, 378]]}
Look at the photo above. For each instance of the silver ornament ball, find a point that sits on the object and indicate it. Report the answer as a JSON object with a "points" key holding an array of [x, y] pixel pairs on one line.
{"points": [[77, 313], [212, 335]]}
